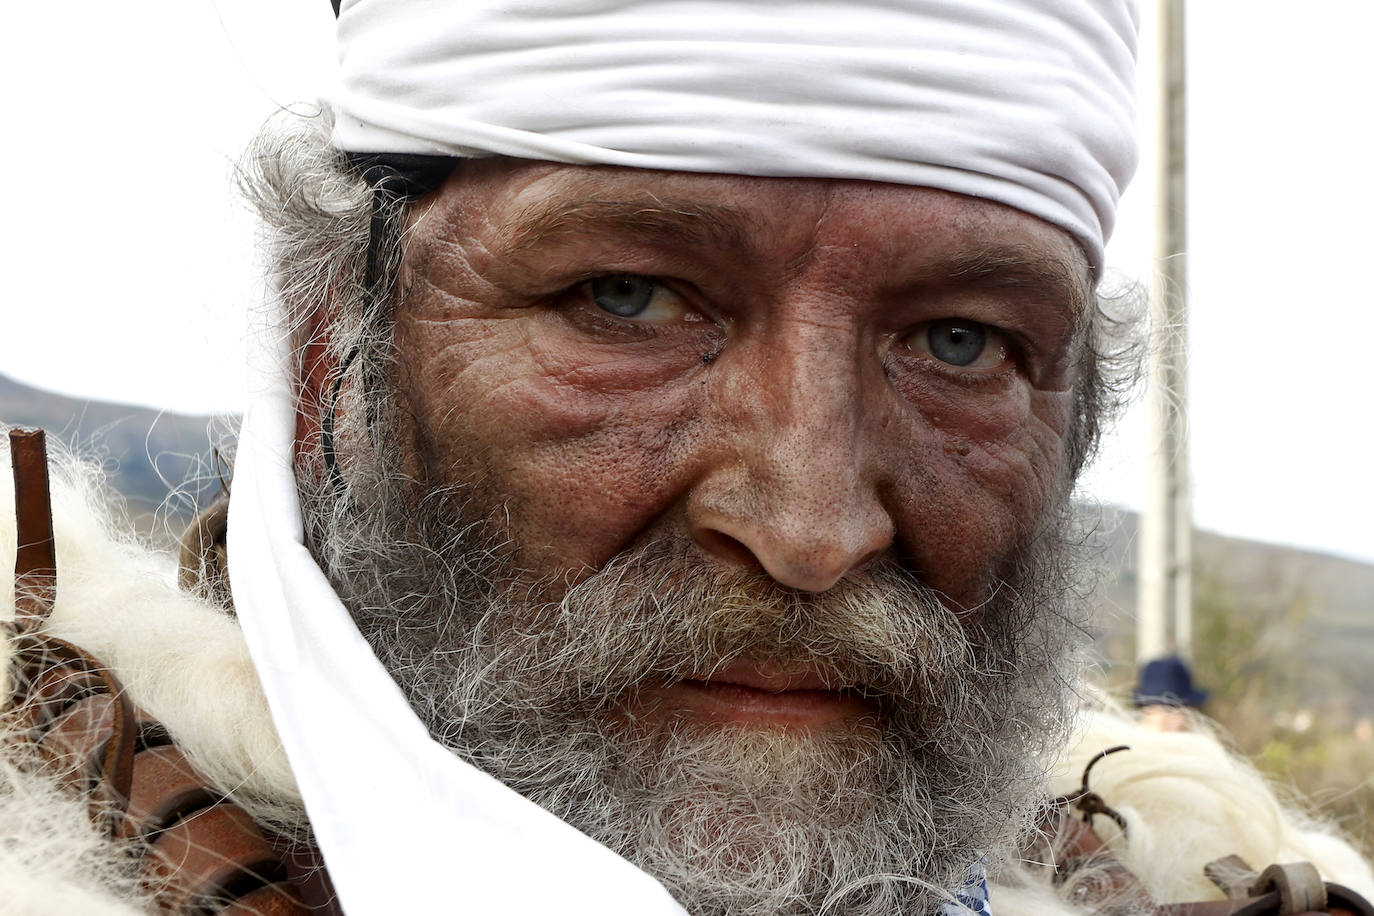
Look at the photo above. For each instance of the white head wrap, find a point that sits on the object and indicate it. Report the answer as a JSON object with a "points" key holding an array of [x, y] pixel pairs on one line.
{"points": [[1024, 102]]}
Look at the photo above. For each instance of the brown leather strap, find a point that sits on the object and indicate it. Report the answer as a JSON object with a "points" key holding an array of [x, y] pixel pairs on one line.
{"points": [[166, 788], [1345, 902], [272, 900], [1076, 846], [79, 714], [56, 688], [204, 853], [1251, 906], [217, 854], [35, 560], [1266, 905]]}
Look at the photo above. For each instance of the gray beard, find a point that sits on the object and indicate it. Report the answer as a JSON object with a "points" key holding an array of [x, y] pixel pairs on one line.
{"points": [[530, 680]]}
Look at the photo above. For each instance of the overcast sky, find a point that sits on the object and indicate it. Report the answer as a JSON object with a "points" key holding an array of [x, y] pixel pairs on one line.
{"points": [[130, 266]]}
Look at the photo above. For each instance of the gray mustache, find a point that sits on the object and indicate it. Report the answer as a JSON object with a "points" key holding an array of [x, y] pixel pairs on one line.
{"points": [[663, 611]]}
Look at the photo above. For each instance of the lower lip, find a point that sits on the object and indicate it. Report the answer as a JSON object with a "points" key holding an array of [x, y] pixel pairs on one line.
{"points": [[740, 705]]}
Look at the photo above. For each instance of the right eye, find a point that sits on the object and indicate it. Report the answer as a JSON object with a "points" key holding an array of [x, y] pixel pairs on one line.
{"points": [[636, 298]]}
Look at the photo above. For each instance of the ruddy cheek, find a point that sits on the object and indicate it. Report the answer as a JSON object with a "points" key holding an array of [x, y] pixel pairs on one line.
{"points": [[980, 469], [584, 472], [1004, 439], [952, 531], [589, 479]]}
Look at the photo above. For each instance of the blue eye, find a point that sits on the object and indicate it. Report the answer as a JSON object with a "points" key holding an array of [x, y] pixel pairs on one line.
{"points": [[625, 295], [961, 343], [956, 342]]}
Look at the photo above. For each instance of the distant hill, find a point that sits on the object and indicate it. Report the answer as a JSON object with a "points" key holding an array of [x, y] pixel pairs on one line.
{"points": [[149, 455], [1311, 615], [162, 463]]}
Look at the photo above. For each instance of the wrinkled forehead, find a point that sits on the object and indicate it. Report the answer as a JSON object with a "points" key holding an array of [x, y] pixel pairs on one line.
{"points": [[521, 210]]}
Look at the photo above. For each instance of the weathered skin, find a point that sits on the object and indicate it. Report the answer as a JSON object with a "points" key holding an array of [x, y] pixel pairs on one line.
{"points": [[778, 403]]}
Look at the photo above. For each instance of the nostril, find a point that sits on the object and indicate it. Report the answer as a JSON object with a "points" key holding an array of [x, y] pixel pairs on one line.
{"points": [[723, 547]]}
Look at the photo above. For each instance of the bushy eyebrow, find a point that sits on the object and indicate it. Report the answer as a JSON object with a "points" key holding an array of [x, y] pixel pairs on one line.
{"points": [[1019, 267], [668, 222], [688, 224]]}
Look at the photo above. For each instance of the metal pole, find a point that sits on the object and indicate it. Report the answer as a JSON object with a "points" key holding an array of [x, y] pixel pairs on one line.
{"points": [[1164, 622]]}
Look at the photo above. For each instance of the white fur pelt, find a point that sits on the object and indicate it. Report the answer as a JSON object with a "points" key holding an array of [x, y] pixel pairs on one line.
{"points": [[182, 660], [51, 861], [1186, 798]]}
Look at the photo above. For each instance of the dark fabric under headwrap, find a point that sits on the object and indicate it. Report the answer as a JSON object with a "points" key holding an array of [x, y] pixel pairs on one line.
{"points": [[395, 178]]}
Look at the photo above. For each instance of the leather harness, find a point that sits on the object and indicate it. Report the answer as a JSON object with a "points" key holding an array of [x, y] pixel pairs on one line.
{"points": [[199, 853]]}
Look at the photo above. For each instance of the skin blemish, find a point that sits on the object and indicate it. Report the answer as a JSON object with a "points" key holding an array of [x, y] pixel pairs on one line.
{"points": [[962, 449]]}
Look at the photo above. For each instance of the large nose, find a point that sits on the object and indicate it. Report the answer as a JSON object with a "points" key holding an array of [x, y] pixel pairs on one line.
{"points": [[796, 476]]}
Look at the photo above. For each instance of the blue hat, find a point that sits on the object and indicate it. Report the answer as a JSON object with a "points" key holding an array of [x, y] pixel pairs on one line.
{"points": [[1168, 681]]}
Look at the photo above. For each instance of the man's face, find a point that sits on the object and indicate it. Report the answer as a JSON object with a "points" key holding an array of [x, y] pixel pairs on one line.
{"points": [[764, 471], [799, 375]]}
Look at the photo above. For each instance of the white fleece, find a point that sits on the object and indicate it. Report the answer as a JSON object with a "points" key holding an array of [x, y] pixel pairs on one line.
{"points": [[1187, 799], [182, 659]]}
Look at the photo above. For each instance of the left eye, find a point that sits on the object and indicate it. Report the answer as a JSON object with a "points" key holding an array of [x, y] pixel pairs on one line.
{"points": [[959, 342], [636, 297]]}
